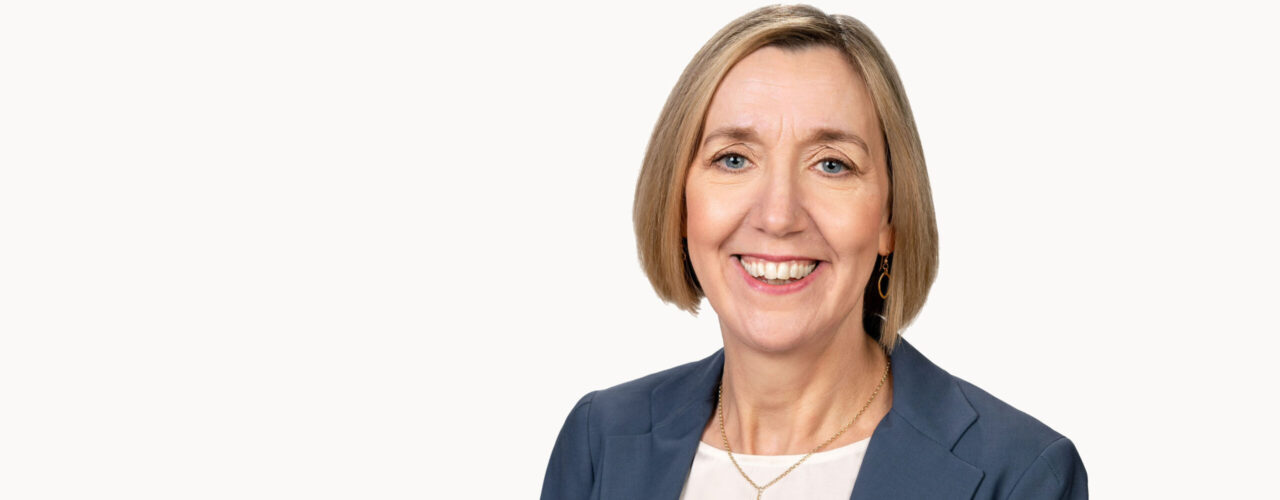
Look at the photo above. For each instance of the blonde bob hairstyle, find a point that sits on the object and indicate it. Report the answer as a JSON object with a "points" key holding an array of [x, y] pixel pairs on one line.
{"points": [[659, 211]]}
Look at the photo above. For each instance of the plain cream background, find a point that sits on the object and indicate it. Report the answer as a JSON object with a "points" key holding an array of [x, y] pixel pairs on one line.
{"points": [[378, 249]]}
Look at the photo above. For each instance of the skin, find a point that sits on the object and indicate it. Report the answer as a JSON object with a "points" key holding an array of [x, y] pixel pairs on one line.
{"points": [[798, 367]]}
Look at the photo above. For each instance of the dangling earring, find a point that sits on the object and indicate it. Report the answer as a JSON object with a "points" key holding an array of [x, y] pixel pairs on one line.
{"points": [[884, 277]]}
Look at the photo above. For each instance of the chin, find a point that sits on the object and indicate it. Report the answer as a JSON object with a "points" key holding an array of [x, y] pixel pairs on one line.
{"points": [[772, 335]]}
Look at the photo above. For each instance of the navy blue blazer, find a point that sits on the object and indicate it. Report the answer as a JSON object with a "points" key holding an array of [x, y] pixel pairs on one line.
{"points": [[942, 438]]}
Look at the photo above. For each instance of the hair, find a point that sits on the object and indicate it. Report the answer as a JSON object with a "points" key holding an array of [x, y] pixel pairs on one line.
{"points": [[659, 210]]}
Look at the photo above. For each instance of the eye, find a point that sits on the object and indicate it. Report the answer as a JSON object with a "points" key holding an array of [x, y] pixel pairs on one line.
{"points": [[731, 161], [832, 166]]}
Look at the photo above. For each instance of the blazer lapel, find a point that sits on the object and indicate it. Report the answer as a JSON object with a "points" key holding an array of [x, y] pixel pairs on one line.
{"points": [[655, 465], [903, 463], [909, 455]]}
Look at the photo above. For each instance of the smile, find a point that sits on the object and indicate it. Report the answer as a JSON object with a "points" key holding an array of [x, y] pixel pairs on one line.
{"points": [[777, 276]]}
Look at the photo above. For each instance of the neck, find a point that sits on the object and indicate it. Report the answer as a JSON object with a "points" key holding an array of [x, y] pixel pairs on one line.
{"points": [[787, 403]]}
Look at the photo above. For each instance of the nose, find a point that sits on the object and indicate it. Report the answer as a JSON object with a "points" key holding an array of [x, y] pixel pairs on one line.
{"points": [[778, 210]]}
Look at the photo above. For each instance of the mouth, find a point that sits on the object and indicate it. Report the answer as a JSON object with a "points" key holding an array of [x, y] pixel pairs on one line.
{"points": [[776, 274]]}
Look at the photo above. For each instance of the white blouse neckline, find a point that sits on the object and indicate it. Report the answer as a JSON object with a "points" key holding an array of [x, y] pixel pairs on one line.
{"points": [[842, 452]]}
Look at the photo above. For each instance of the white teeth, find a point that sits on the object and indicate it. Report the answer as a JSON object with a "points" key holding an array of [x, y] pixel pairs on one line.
{"points": [[777, 270]]}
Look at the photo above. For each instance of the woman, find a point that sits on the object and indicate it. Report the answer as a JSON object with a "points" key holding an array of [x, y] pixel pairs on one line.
{"points": [[785, 182]]}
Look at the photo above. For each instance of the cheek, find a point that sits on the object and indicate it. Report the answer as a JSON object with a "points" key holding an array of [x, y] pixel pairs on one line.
{"points": [[695, 212], [711, 217], [700, 223], [849, 224]]}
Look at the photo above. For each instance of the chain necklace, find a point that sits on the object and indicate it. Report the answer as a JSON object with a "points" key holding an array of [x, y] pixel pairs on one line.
{"points": [[760, 489]]}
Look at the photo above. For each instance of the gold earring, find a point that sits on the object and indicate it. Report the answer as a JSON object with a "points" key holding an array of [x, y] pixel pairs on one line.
{"points": [[884, 276]]}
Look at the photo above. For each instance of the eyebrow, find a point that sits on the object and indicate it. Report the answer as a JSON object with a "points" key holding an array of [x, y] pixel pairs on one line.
{"points": [[823, 134]]}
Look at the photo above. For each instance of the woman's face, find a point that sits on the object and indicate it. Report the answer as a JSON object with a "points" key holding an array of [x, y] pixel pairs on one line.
{"points": [[790, 178]]}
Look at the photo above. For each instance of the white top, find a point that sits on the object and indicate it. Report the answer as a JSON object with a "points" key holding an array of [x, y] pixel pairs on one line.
{"points": [[828, 474]]}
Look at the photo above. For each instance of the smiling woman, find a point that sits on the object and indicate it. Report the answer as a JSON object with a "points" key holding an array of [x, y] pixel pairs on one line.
{"points": [[792, 186], [785, 182]]}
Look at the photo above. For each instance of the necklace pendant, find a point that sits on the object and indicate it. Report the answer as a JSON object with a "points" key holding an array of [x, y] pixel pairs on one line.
{"points": [[759, 493]]}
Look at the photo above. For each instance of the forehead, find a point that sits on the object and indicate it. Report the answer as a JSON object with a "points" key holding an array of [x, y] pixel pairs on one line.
{"points": [[805, 89]]}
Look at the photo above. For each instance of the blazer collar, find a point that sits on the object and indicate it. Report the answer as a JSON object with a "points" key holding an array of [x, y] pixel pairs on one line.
{"points": [[909, 455]]}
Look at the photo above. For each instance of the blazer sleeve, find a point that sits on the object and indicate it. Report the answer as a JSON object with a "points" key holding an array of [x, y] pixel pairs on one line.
{"points": [[1058, 473], [569, 473]]}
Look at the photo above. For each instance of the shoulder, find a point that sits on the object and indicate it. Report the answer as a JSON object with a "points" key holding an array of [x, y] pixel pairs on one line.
{"points": [[1019, 454], [626, 408], [622, 409], [1001, 425]]}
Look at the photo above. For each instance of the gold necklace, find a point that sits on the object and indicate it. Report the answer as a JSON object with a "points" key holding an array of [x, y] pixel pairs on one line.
{"points": [[760, 489]]}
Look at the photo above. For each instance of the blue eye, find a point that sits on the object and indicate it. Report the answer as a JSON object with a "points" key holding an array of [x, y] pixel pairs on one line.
{"points": [[832, 166], [732, 161]]}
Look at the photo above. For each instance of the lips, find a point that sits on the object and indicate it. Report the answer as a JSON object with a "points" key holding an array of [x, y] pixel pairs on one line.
{"points": [[777, 274], [777, 271]]}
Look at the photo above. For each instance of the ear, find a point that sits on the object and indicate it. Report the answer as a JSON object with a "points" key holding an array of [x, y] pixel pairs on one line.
{"points": [[887, 233], [886, 238]]}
